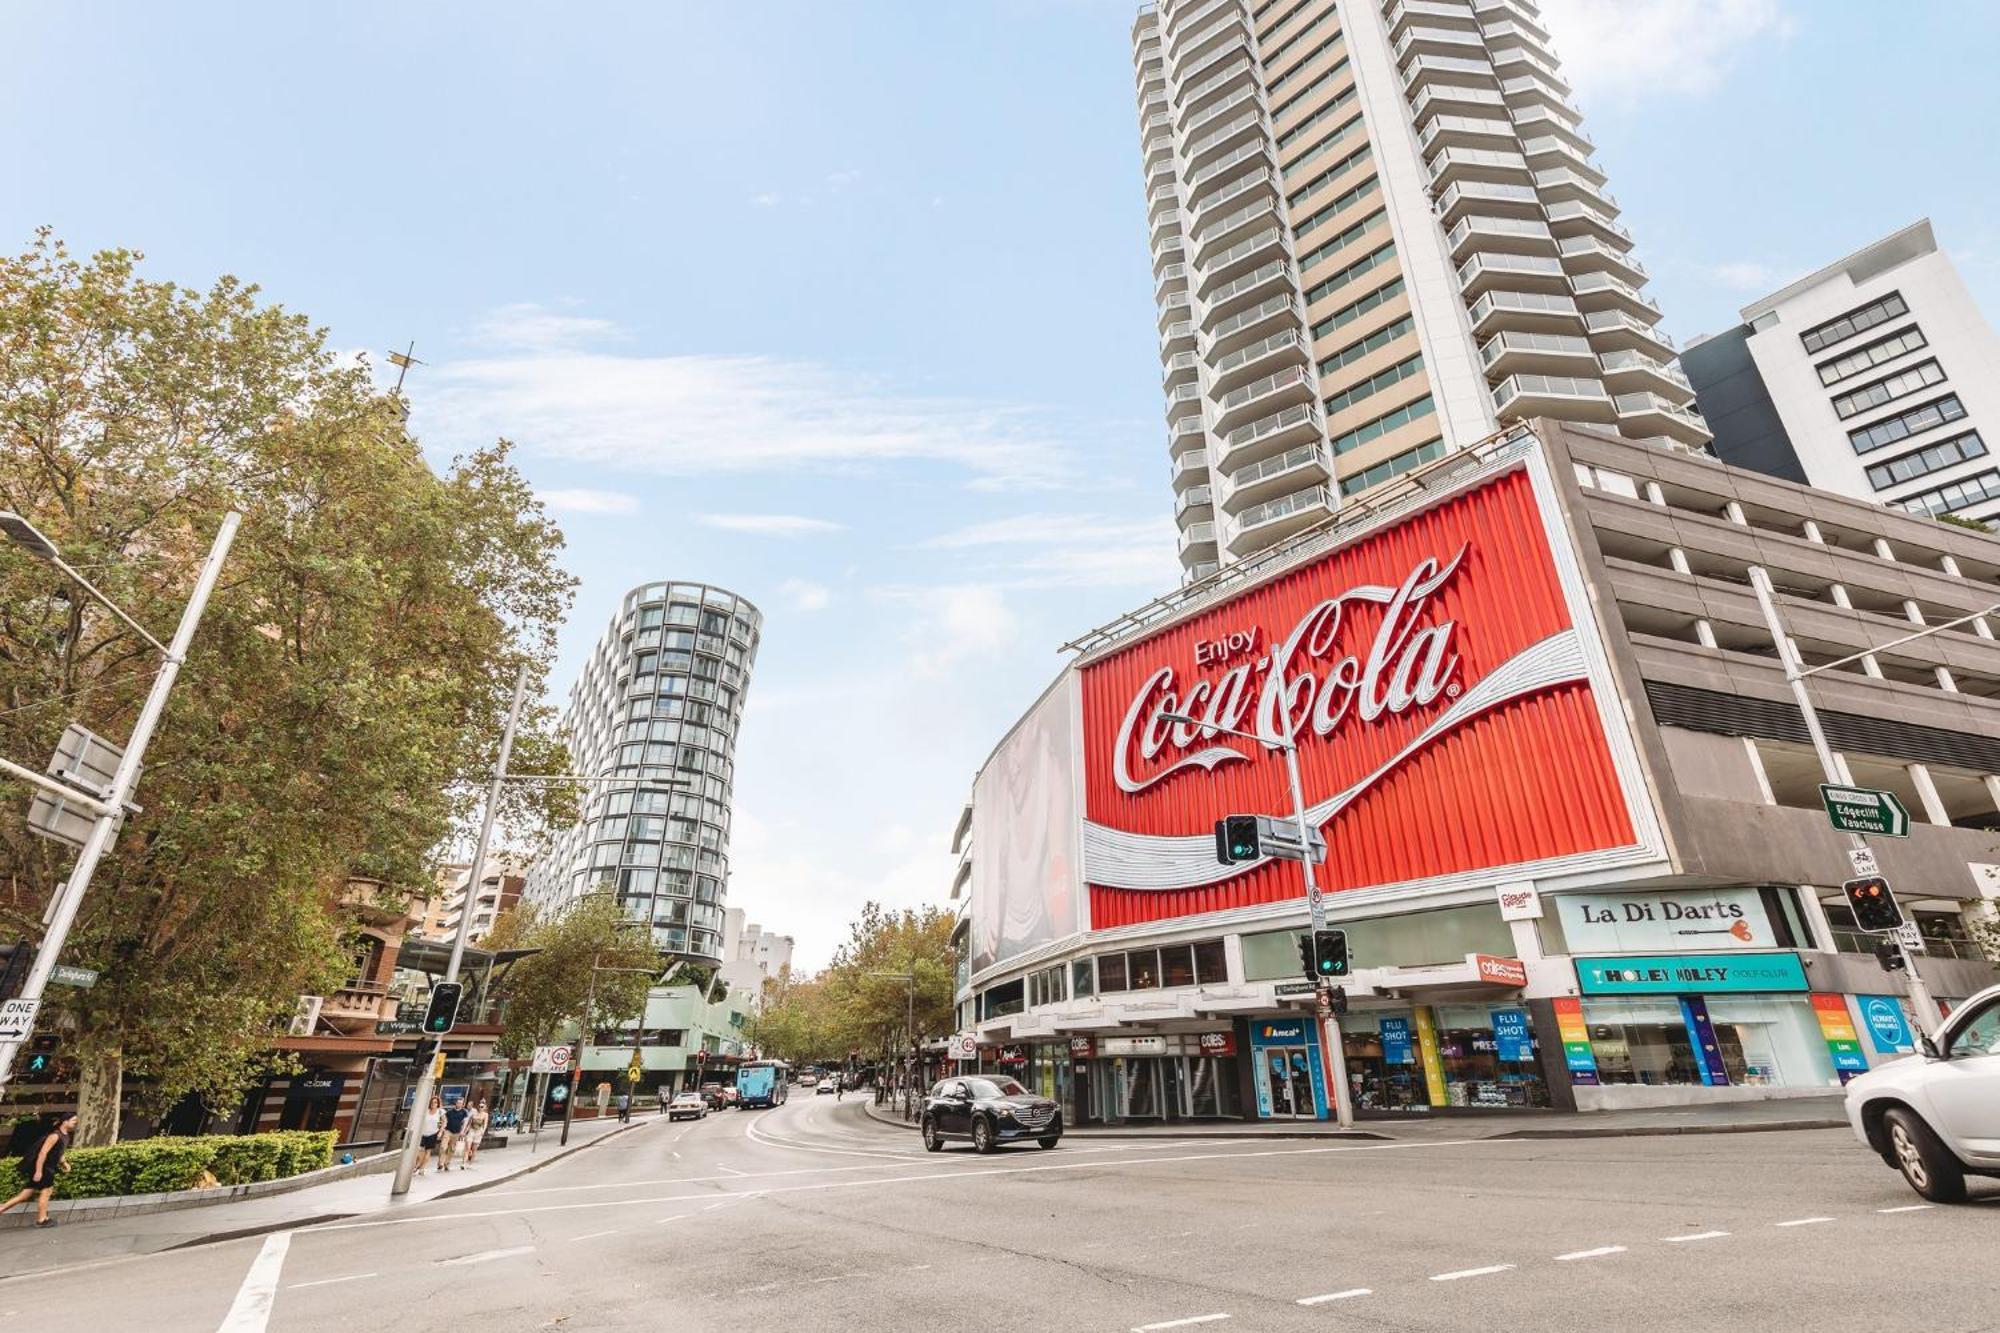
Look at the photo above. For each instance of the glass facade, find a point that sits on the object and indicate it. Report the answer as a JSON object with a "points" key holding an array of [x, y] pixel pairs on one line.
{"points": [[1428, 1057], [1760, 1041]]}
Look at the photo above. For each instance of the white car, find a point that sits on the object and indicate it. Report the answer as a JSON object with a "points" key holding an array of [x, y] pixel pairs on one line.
{"points": [[1936, 1116], [688, 1105]]}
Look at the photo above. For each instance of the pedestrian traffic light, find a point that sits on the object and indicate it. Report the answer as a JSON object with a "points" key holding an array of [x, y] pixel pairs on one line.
{"points": [[1874, 905], [1890, 957], [40, 1062], [443, 1011], [1236, 839], [15, 973], [1329, 953]]}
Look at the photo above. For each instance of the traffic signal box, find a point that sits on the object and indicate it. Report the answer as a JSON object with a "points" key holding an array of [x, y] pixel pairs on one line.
{"points": [[443, 1010], [1874, 904], [1323, 954], [1236, 839]]}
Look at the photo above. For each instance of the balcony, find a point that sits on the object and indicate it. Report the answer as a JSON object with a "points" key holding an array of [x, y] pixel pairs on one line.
{"points": [[1491, 198], [1456, 166], [1169, 251], [1439, 99], [1513, 11], [1274, 520], [1176, 338], [1162, 201], [1533, 89], [1230, 133], [1463, 42], [1548, 150], [1180, 368], [1406, 12], [1188, 468], [1280, 430], [1259, 320], [1525, 312], [1230, 227], [1282, 343], [1172, 278], [1577, 218], [1651, 414], [1257, 150], [1222, 301], [1235, 43], [1288, 385], [1230, 264], [1185, 432], [1477, 232], [1458, 131], [1572, 398], [1251, 96], [1197, 497], [1277, 475], [1198, 539], [1262, 179], [1601, 291], [1518, 60], [1538, 353], [1173, 308], [1564, 185], [1541, 121], [1186, 21], [1196, 97], [1426, 71], [1522, 273], [359, 1002], [1634, 371], [1586, 254]]}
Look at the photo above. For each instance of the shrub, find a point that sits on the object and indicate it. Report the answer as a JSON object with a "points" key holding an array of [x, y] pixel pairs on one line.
{"points": [[171, 1165], [302, 1150], [246, 1159], [153, 1166], [97, 1173]]}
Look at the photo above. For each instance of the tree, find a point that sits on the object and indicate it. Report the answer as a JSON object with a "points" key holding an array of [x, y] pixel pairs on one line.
{"points": [[343, 698], [545, 991], [866, 1003]]}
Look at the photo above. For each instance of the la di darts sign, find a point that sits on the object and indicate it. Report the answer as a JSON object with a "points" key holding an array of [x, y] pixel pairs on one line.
{"points": [[1441, 681]]}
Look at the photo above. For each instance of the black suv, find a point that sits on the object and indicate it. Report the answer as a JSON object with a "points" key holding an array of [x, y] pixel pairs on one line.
{"points": [[989, 1109]]}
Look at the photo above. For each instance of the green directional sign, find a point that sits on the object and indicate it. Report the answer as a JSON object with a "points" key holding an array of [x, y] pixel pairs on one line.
{"points": [[1865, 810]]}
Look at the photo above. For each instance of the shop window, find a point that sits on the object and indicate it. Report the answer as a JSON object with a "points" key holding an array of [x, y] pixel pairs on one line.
{"points": [[1641, 1041], [1082, 981], [1142, 966], [1111, 973], [1770, 1040], [1210, 967], [1177, 965], [1488, 1056]]}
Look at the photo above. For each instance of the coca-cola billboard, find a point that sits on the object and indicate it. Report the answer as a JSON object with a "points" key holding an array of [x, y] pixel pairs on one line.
{"points": [[1441, 683]]}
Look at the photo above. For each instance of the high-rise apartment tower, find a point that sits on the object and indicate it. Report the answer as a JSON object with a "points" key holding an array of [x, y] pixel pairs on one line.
{"points": [[1377, 235]]}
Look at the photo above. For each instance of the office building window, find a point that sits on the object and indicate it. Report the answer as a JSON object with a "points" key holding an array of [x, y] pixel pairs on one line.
{"points": [[1392, 467], [1905, 424], [1899, 385], [1923, 462], [1823, 336], [1954, 496]]}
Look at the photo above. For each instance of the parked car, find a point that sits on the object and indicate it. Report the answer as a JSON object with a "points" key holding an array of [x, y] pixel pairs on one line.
{"points": [[1935, 1116], [687, 1106], [715, 1095], [988, 1109], [826, 1085]]}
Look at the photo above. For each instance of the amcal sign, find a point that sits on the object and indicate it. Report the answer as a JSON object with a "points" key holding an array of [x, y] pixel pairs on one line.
{"points": [[1435, 679]]}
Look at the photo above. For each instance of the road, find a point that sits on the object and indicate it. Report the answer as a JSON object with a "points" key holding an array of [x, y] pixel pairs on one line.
{"points": [[811, 1216]]}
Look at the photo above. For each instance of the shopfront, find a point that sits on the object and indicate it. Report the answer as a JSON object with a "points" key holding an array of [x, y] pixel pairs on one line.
{"points": [[1285, 1070], [1160, 1077], [1467, 1056]]}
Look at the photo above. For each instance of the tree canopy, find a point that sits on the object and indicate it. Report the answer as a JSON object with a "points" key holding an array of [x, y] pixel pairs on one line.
{"points": [[546, 991], [860, 1001]]}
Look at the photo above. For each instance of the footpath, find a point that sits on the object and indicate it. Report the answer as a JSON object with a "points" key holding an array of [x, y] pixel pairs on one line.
{"points": [[360, 1190], [1788, 1113]]}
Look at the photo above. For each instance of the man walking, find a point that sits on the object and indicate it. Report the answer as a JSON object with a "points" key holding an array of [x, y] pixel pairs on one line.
{"points": [[624, 1106], [39, 1167], [455, 1117]]}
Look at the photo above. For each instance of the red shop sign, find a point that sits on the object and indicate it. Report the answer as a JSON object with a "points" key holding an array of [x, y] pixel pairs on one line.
{"points": [[1082, 1047], [1438, 687], [1500, 971], [1218, 1043]]}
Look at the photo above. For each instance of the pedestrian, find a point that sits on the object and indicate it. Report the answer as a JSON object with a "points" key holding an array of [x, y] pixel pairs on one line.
{"points": [[624, 1108], [428, 1131], [38, 1169], [839, 1087], [455, 1117], [475, 1129]]}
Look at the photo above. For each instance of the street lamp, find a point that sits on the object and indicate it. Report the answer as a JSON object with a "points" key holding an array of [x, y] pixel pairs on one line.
{"points": [[112, 803]]}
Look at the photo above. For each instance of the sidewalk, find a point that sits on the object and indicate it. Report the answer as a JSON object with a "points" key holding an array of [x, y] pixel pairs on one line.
{"points": [[30, 1250], [1727, 1118]]}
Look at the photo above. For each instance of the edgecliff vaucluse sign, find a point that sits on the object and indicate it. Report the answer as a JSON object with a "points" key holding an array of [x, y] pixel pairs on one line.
{"points": [[1436, 681]]}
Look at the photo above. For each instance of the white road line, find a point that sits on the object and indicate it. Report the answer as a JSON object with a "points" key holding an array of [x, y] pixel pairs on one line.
{"points": [[1347, 1295], [1470, 1272], [251, 1310], [1907, 1208], [1180, 1323], [1696, 1235], [594, 1235], [486, 1256], [1597, 1253], [329, 1281], [1802, 1221]]}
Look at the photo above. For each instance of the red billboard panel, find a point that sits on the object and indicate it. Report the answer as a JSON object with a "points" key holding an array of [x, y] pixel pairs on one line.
{"points": [[1439, 691]]}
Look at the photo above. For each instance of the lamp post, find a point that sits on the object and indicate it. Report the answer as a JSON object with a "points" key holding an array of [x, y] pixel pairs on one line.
{"points": [[1330, 1036], [116, 798], [583, 1036]]}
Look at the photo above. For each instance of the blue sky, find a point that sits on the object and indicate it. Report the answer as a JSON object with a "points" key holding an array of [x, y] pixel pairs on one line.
{"points": [[847, 306]]}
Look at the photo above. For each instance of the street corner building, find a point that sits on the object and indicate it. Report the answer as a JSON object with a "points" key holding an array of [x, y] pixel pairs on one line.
{"points": [[1574, 826]]}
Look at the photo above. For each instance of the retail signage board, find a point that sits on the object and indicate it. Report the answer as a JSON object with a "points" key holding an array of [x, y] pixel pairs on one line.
{"points": [[1865, 810], [1520, 902], [1218, 1043], [1680, 919], [1888, 1025], [1498, 971], [1690, 974], [1132, 1046], [1580, 1060], [1397, 1048], [1836, 1025], [1511, 1036], [1278, 1032]]}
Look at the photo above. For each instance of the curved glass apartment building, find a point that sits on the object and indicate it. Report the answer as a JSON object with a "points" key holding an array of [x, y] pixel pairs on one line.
{"points": [[659, 702]]}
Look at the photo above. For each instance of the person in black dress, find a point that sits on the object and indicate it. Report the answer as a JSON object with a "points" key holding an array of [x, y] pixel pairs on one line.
{"points": [[39, 1167]]}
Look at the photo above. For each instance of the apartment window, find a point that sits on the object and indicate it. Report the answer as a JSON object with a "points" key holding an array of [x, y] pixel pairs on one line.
{"points": [[1392, 467], [1382, 425], [1899, 385], [1354, 351], [1285, 48], [1209, 967], [1308, 90], [1329, 175], [1873, 355], [1823, 336], [1335, 281], [1300, 64], [1346, 200], [1375, 383], [1923, 462], [1082, 978], [1046, 986], [1954, 496], [1299, 131], [1347, 314], [1111, 973], [1905, 424]]}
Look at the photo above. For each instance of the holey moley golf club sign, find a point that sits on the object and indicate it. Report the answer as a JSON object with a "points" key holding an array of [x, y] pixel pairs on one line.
{"points": [[1445, 687]]}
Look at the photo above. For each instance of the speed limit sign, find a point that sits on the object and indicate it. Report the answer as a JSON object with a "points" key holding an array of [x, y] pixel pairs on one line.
{"points": [[550, 1060]]}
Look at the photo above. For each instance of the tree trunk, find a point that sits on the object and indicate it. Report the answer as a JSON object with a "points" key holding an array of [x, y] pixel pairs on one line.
{"points": [[100, 1087]]}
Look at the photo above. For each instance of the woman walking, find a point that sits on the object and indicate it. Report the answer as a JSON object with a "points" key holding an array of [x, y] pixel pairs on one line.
{"points": [[433, 1124], [475, 1129], [38, 1169]]}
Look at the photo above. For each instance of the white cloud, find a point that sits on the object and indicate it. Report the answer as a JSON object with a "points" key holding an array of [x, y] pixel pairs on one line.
{"points": [[528, 327], [704, 415], [954, 623], [1744, 275], [767, 199], [770, 525], [1071, 550], [841, 180], [583, 501], [807, 595], [1630, 51]]}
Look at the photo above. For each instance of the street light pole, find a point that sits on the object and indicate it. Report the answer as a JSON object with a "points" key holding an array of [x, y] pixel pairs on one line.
{"points": [[1795, 676], [69, 899], [406, 1162]]}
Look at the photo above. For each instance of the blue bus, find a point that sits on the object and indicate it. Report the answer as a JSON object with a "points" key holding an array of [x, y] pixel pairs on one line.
{"points": [[762, 1083]]}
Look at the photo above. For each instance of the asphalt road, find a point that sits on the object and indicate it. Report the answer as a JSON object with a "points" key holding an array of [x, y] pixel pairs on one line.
{"points": [[810, 1216]]}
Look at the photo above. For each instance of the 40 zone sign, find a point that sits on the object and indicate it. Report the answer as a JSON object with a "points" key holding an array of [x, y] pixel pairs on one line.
{"points": [[550, 1060]]}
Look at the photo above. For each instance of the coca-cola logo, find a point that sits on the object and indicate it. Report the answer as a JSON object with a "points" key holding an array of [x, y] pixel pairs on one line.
{"points": [[1317, 677]]}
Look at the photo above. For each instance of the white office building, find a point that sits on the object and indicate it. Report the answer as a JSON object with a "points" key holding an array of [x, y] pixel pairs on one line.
{"points": [[752, 955]]}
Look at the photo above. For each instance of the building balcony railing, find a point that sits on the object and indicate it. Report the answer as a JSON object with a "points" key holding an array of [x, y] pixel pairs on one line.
{"points": [[1527, 312], [1314, 501], [1200, 62], [1634, 369], [1484, 233], [1650, 413], [1546, 353], [1251, 96], [1268, 309], [1245, 125], [1404, 13], [1195, 97], [1598, 291], [1197, 497], [1196, 536], [1576, 217], [1224, 230], [1489, 197], [1292, 381], [1263, 178], [1586, 253], [1426, 39], [1548, 150], [1228, 265], [1256, 150], [1176, 338], [1562, 184], [1428, 69], [1464, 131], [1255, 482], [1488, 270], [1193, 464], [1301, 419], [1445, 98], [1454, 166], [1573, 398], [1244, 357], [1218, 302]]}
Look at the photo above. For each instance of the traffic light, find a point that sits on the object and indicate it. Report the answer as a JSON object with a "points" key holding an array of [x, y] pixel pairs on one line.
{"points": [[1890, 957], [443, 1011], [1874, 905], [1329, 953], [1306, 964], [15, 973], [1236, 839], [1336, 1000], [40, 1061]]}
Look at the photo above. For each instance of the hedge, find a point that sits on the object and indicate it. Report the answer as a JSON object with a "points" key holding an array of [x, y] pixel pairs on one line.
{"points": [[156, 1166]]}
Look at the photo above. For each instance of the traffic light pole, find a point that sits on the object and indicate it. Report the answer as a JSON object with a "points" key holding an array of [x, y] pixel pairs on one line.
{"points": [[1332, 1041], [406, 1161], [1795, 676]]}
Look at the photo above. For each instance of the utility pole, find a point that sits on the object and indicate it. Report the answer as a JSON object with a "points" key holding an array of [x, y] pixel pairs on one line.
{"points": [[1795, 676], [406, 1162], [116, 799]]}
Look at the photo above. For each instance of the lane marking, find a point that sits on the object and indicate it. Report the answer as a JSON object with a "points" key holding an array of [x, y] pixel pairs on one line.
{"points": [[251, 1310], [1180, 1323], [1908, 1208], [594, 1235], [486, 1256], [1597, 1253], [329, 1281], [1347, 1295], [1698, 1235], [1802, 1221], [1471, 1272]]}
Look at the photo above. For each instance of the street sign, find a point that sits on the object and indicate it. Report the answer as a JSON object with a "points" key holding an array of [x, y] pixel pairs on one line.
{"points": [[636, 1070], [1280, 838], [1864, 861], [963, 1046], [1865, 810], [65, 975], [17, 1019], [550, 1060], [85, 761], [1909, 937], [1295, 988], [437, 1067]]}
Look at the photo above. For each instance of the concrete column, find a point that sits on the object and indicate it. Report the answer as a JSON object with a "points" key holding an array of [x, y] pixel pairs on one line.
{"points": [[1883, 549], [1679, 560], [1757, 771], [1815, 915], [1945, 681], [1704, 634], [1813, 533], [1950, 566], [1734, 513], [1654, 495], [1869, 665], [1928, 795], [1992, 785]]}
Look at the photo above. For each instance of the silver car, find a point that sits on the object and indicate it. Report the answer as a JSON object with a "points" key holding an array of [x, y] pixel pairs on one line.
{"points": [[1935, 1116]]}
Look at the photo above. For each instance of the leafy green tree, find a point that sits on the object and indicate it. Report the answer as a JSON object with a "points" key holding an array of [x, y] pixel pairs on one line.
{"points": [[866, 1004], [342, 700], [546, 991]]}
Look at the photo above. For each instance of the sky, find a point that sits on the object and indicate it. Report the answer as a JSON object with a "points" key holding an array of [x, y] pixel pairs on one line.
{"points": [[847, 306]]}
